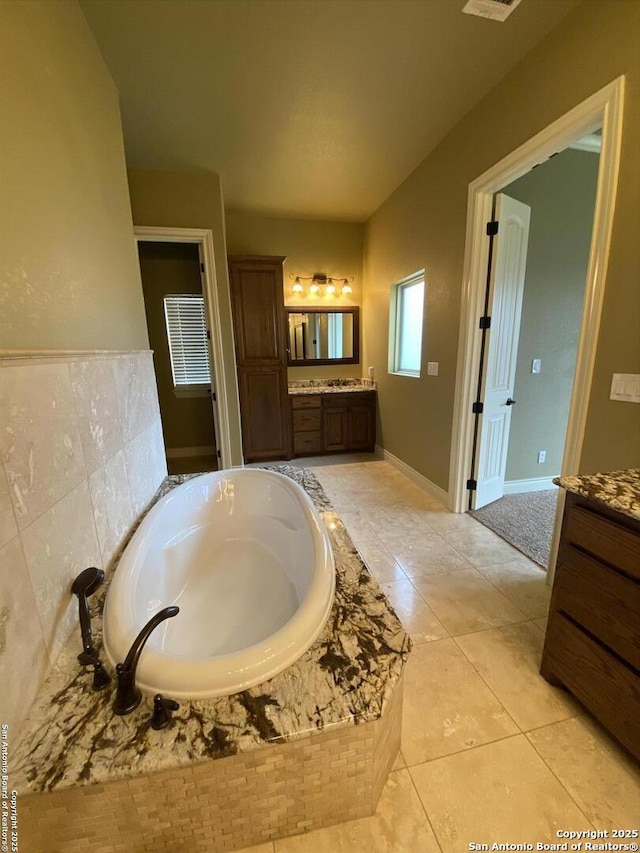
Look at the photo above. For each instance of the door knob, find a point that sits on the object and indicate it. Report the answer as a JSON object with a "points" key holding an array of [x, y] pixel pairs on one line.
{"points": [[511, 402]]}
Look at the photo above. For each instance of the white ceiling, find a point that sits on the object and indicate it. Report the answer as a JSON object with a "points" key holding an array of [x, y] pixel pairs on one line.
{"points": [[315, 108]]}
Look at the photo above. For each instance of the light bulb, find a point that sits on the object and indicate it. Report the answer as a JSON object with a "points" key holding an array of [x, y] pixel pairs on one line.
{"points": [[314, 289], [346, 288], [330, 289], [297, 286]]}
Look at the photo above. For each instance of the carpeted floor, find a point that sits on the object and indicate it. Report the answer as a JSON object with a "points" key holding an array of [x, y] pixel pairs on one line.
{"points": [[525, 520]]}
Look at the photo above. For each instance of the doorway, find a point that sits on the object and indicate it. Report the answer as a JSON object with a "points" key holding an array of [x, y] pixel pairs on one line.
{"points": [[603, 109], [539, 259], [174, 308]]}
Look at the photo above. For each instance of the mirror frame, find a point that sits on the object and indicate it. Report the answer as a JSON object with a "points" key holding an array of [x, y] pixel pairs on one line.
{"points": [[322, 309]]}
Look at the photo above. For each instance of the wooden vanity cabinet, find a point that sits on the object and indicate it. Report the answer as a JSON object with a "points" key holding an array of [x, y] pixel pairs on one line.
{"points": [[592, 643], [333, 423]]}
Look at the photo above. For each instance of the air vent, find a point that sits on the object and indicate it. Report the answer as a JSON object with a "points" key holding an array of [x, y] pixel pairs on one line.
{"points": [[496, 10]]}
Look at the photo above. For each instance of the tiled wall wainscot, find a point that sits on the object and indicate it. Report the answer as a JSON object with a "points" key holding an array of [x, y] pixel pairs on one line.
{"points": [[225, 804], [81, 456]]}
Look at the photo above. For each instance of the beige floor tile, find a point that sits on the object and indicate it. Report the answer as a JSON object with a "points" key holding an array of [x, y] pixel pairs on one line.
{"points": [[501, 792], [416, 616], [441, 520], [379, 561], [466, 601], [508, 659], [601, 778], [524, 583], [258, 848], [357, 527], [447, 706], [398, 826], [425, 554], [480, 546], [541, 623], [399, 763]]}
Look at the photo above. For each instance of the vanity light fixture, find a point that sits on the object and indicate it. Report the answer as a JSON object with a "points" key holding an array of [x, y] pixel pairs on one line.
{"points": [[320, 281]]}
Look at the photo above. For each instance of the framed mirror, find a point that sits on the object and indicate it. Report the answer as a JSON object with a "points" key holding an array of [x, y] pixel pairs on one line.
{"points": [[323, 335]]}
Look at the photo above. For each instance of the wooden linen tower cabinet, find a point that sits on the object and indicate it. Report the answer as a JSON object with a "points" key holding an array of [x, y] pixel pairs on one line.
{"points": [[259, 323]]}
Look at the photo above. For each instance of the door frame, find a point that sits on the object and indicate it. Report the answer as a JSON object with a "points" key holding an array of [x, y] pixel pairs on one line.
{"points": [[203, 237], [603, 108]]}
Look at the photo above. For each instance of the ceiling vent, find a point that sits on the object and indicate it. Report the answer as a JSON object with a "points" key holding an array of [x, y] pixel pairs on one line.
{"points": [[496, 10]]}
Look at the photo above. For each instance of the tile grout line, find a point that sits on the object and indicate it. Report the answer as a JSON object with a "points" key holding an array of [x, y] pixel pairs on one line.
{"points": [[424, 808]]}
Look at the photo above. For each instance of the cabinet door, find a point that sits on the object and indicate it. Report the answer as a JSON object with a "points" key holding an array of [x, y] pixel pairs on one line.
{"points": [[336, 428], [265, 421], [362, 428], [258, 310]]}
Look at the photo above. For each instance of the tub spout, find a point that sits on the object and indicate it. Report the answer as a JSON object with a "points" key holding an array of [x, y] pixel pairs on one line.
{"points": [[128, 696]]}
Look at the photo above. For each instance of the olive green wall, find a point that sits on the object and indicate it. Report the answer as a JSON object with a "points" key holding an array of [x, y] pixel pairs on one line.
{"points": [[69, 276], [170, 268], [310, 246], [422, 224], [194, 200], [561, 194]]}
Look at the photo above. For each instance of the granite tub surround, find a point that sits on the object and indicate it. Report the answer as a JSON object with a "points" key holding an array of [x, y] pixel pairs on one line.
{"points": [[329, 386], [618, 490], [81, 455], [346, 678]]}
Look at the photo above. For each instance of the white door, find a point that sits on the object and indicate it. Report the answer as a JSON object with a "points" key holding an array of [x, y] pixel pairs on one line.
{"points": [[214, 390], [505, 300]]}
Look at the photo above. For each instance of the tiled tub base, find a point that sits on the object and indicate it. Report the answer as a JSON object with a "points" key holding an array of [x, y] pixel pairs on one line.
{"points": [[224, 804]]}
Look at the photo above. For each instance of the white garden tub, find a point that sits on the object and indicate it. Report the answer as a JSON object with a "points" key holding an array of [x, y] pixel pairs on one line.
{"points": [[245, 556]]}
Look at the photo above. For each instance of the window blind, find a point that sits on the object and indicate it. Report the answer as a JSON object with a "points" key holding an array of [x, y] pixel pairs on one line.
{"points": [[187, 336]]}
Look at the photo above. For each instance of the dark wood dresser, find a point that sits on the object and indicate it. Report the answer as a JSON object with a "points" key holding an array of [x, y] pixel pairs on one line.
{"points": [[333, 422], [592, 644]]}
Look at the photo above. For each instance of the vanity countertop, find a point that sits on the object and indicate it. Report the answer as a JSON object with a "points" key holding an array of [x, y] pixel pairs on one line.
{"points": [[72, 737], [618, 490], [329, 386]]}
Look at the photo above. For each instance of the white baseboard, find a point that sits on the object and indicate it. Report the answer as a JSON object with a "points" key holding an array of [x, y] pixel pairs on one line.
{"points": [[181, 452], [429, 487], [536, 484]]}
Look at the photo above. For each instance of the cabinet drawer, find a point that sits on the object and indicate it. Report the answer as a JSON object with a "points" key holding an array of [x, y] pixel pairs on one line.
{"points": [[305, 443], [348, 399], [608, 688], [306, 419], [602, 537], [603, 601], [305, 401]]}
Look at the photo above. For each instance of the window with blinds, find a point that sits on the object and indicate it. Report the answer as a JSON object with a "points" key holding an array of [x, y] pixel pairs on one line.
{"points": [[187, 336]]}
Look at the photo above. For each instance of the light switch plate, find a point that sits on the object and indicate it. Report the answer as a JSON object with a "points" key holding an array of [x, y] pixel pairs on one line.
{"points": [[536, 365], [432, 368], [625, 387]]}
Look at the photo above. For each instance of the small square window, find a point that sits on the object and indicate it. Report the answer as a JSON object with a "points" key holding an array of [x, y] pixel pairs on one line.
{"points": [[405, 325], [188, 343]]}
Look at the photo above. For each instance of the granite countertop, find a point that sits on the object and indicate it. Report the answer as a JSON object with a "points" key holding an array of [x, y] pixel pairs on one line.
{"points": [[73, 738], [329, 386], [619, 490]]}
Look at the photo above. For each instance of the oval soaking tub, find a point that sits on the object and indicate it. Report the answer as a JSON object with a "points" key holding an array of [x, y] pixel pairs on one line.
{"points": [[247, 559]]}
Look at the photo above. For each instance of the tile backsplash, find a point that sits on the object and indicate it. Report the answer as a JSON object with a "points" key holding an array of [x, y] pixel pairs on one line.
{"points": [[81, 456]]}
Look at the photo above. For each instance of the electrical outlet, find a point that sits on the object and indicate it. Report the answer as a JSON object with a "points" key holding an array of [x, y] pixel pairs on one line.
{"points": [[542, 456], [536, 365], [371, 372], [432, 368]]}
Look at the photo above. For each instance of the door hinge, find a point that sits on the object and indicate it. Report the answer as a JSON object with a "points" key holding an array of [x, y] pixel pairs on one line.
{"points": [[208, 334], [218, 454], [213, 396], [485, 322], [201, 267], [492, 228], [472, 485], [477, 408]]}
